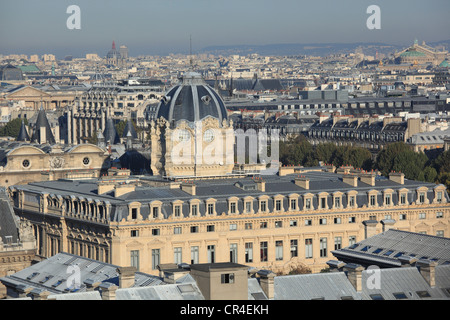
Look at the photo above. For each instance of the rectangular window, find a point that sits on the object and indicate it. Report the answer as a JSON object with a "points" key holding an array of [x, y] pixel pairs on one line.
{"points": [[194, 229], [210, 208], [233, 226], [194, 210], [134, 259], [323, 221], [278, 205], [337, 243], [351, 220], [402, 216], [177, 230], [263, 206], [308, 222], [439, 196], [134, 233], [155, 258], [263, 225], [323, 247], [308, 248], [227, 278], [134, 213], [233, 252], [323, 203], [263, 253], [248, 206], [293, 204], [372, 200], [351, 240], [337, 220], [293, 223], [278, 224], [294, 248], [211, 254], [155, 212], [177, 255], [422, 197], [177, 211], [249, 252], [248, 226], [308, 204], [422, 215], [155, 232], [278, 250], [194, 255], [351, 202], [403, 198], [439, 215], [439, 233], [233, 207], [337, 202], [210, 228], [387, 200]]}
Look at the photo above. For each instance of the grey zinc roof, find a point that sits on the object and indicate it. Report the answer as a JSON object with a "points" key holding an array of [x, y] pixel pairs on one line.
{"points": [[395, 243], [329, 286], [185, 291]]}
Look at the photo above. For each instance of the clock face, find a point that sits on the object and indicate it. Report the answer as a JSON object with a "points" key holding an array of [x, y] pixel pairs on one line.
{"points": [[208, 136]]}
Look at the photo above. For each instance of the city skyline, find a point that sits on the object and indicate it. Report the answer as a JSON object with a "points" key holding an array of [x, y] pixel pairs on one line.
{"points": [[163, 27]]}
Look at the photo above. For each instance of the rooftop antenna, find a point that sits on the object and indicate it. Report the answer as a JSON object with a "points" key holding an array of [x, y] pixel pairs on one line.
{"points": [[190, 53]]}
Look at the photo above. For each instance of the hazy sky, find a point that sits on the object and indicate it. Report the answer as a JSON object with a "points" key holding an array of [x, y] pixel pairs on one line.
{"points": [[162, 26]]}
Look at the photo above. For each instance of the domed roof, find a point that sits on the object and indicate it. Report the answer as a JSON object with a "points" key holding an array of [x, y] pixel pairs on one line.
{"points": [[444, 64], [191, 100], [412, 53]]}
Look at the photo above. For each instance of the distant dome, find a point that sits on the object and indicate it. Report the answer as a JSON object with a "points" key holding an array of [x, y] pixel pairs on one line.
{"points": [[444, 64], [412, 53], [192, 100]]}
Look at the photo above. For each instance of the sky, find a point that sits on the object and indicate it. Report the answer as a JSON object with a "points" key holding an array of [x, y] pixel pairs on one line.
{"points": [[157, 27]]}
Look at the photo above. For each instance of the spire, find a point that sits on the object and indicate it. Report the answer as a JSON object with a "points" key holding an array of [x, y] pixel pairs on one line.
{"points": [[114, 45], [129, 128], [110, 133], [42, 130], [23, 134]]}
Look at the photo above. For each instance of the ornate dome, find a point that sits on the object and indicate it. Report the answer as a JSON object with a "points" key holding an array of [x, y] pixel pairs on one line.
{"points": [[191, 100]]}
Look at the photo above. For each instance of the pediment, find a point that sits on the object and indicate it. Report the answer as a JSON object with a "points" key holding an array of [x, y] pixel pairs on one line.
{"points": [[134, 244], [28, 92]]}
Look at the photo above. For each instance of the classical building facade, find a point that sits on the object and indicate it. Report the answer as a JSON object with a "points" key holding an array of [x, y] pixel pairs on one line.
{"points": [[208, 212]]}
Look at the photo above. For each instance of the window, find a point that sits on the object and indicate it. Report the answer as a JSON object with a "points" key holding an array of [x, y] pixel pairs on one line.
{"points": [[323, 221], [211, 253], [294, 248], [400, 295], [25, 163], [323, 247], [248, 206], [439, 196], [422, 215], [388, 253], [134, 233], [155, 212], [308, 204], [194, 255], [308, 248], [194, 210], [422, 197], [233, 252], [423, 294], [210, 228], [263, 225], [263, 206], [177, 230], [177, 256], [337, 202], [249, 252], [403, 198], [402, 216], [323, 203], [372, 200], [439, 215], [248, 226], [439, 233], [278, 224], [155, 258], [263, 253], [293, 223], [293, 204], [86, 161], [351, 220], [278, 205], [378, 250], [177, 211], [278, 250], [155, 232], [351, 240], [210, 208], [387, 200], [134, 259], [227, 278], [233, 226], [308, 222], [233, 207], [133, 213], [337, 220], [337, 243], [351, 201]]}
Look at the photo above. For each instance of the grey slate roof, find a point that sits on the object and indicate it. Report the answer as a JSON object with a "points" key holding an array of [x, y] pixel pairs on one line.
{"points": [[23, 134], [42, 124], [8, 225], [110, 133]]}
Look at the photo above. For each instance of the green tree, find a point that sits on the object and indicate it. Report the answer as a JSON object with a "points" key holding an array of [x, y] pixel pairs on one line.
{"points": [[12, 128]]}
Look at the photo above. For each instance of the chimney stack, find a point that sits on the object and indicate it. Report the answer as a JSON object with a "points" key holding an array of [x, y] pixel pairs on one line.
{"points": [[267, 282], [335, 265], [189, 187], [368, 178], [397, 177], [370, 228], [407, 261], [350, 179], [108, 291], [302, 182], [427, 269], [354, 275], [126, 276], [387, 224]]}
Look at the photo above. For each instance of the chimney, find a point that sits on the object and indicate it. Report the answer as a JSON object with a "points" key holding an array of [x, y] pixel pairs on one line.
{"points": [[370, 228], [397, 177], [126, 276], [368, 178], [122, 189], [104, 187], [407, 261], [108, 291], [427, 269], [335, 265], [91, 285], [261, 184], [302, 182], [189, 187], [387, 224], [266, 281], [354, 275], [350, 180]]}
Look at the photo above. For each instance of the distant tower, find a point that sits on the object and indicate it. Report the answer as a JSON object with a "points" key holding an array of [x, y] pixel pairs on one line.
{"points": [[23, 134], [42, 131], [113, 56]]}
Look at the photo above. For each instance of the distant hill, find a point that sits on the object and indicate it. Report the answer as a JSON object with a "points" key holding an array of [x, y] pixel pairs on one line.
{"points": [[315, 49]]}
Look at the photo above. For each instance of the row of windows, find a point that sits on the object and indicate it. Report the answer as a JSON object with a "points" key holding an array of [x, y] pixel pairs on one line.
{"points": [[250, 252], [293, 203], [279, 224]]}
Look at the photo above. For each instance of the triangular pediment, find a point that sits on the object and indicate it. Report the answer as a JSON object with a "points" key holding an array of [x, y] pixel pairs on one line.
{"points": [[28, 92]]}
